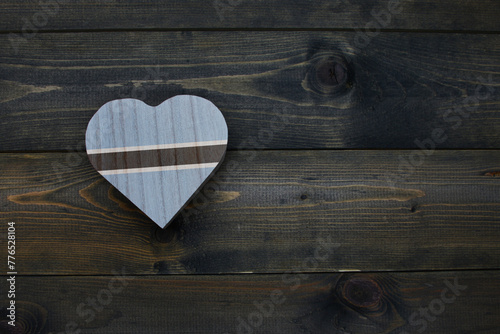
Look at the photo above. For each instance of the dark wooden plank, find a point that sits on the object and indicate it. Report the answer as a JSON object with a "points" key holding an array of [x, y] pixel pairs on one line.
{"points": [[194, 14], [276, 89], [399, 303], [264, 211]]}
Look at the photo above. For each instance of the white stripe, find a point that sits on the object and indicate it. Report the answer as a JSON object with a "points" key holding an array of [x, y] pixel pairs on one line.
{"points": [[156, 147], [157, 169]]}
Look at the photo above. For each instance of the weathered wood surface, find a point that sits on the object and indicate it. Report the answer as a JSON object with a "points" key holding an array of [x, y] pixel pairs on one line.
{"points": [[276, 89], [479, 15], [286, 75], [399, 303], [258, 214]]}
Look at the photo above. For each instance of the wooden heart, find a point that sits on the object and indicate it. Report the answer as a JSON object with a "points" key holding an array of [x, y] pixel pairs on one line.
{"points": [[158, 157]]}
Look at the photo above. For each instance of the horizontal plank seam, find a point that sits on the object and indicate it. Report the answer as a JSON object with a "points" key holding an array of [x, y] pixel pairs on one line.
{"points": [[447, 149], [355, 29], [277, 273]]}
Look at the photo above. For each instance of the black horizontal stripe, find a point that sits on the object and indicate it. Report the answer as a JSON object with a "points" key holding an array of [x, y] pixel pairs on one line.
{"points": [[157, 158]]}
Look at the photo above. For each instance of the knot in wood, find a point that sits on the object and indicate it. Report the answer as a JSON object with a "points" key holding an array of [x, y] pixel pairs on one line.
{"points": [[164, 235], [30, 318], [362, 292], [329, 75]]}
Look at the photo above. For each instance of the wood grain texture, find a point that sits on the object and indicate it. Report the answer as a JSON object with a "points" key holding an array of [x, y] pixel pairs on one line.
{"points": [[398, 303], [287, 75], [158, 157], [259, 214], [277, 90], [479, 15]]}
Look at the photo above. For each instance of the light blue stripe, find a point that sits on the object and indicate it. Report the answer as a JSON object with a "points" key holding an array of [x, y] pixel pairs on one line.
{"points": [[116, 124], [157, 193]]}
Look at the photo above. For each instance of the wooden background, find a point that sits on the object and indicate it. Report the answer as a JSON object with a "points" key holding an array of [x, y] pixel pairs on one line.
{"points": [[322, 126]]}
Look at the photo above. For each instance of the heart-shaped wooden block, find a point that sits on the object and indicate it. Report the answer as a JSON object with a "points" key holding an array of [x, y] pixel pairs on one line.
{"points": [[158, 157]]}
